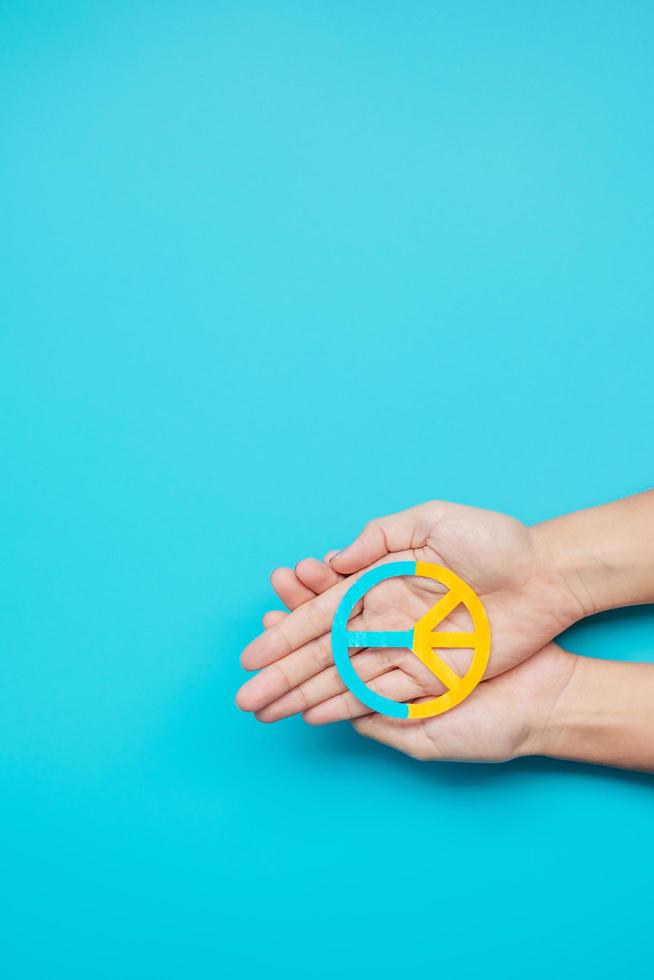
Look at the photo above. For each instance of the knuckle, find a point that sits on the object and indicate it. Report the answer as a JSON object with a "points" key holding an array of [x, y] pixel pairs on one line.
{"points": [[285, 674], [282, 629], [320, 654], [301, 699], [358, 724], [313, 615]]}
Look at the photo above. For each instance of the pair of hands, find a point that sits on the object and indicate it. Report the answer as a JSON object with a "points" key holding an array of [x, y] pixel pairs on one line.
{"points": [[528, 601]]}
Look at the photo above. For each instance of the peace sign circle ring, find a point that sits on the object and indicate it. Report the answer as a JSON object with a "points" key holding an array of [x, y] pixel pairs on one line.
{"points": [[423, 640]]}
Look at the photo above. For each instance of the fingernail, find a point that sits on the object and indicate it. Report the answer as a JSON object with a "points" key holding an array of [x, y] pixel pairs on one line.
{"points": [[333, 557]]}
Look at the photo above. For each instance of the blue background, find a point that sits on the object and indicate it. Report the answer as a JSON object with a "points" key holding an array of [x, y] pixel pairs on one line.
{"points": [[268, 270]]}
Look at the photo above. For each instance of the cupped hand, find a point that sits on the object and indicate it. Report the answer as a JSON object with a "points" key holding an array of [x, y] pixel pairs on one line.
{"points": [[508, 716], [508, 564]]}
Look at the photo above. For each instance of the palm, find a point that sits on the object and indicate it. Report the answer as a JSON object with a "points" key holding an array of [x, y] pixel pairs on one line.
{"points": [[497, 556], [493, 725]]}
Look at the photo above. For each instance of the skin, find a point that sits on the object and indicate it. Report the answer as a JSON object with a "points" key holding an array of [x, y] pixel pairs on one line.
{"points": [[477, 730], [534, 582], [507, 563]]}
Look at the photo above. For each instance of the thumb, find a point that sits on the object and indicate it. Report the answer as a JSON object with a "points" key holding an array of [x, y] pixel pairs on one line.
{"points": [[381, 537]]}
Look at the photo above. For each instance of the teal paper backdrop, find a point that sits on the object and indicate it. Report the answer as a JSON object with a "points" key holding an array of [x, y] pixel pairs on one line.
{"points": [[268, 270]]}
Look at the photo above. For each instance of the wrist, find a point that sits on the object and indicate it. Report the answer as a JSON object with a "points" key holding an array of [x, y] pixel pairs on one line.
{"points": [[560, 574], [552, 686], [601, 714], [603, 554]]}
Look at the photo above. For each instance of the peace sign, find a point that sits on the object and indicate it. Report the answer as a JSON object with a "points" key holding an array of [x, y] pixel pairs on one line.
{"points": [[422, 640]]}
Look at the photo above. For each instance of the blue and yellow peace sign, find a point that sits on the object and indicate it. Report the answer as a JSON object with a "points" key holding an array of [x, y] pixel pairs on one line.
{"points": [[423, 640]]}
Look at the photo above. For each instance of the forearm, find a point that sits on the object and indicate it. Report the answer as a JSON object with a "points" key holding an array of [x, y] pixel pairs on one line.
{"points": [[605, 554], [604, 715]]}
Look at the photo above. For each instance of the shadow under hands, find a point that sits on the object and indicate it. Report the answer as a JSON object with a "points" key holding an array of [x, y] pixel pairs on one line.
{"points": [[340, 740]]}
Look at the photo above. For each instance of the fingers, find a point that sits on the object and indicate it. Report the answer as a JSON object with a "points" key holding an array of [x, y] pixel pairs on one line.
{"points": [[272, 617], [309, 578], [308, 621], [394, 684], [289, 588], [296, 586], [325, 685], [316, 575], [406, 736], [398, 532], [279, 678]]}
